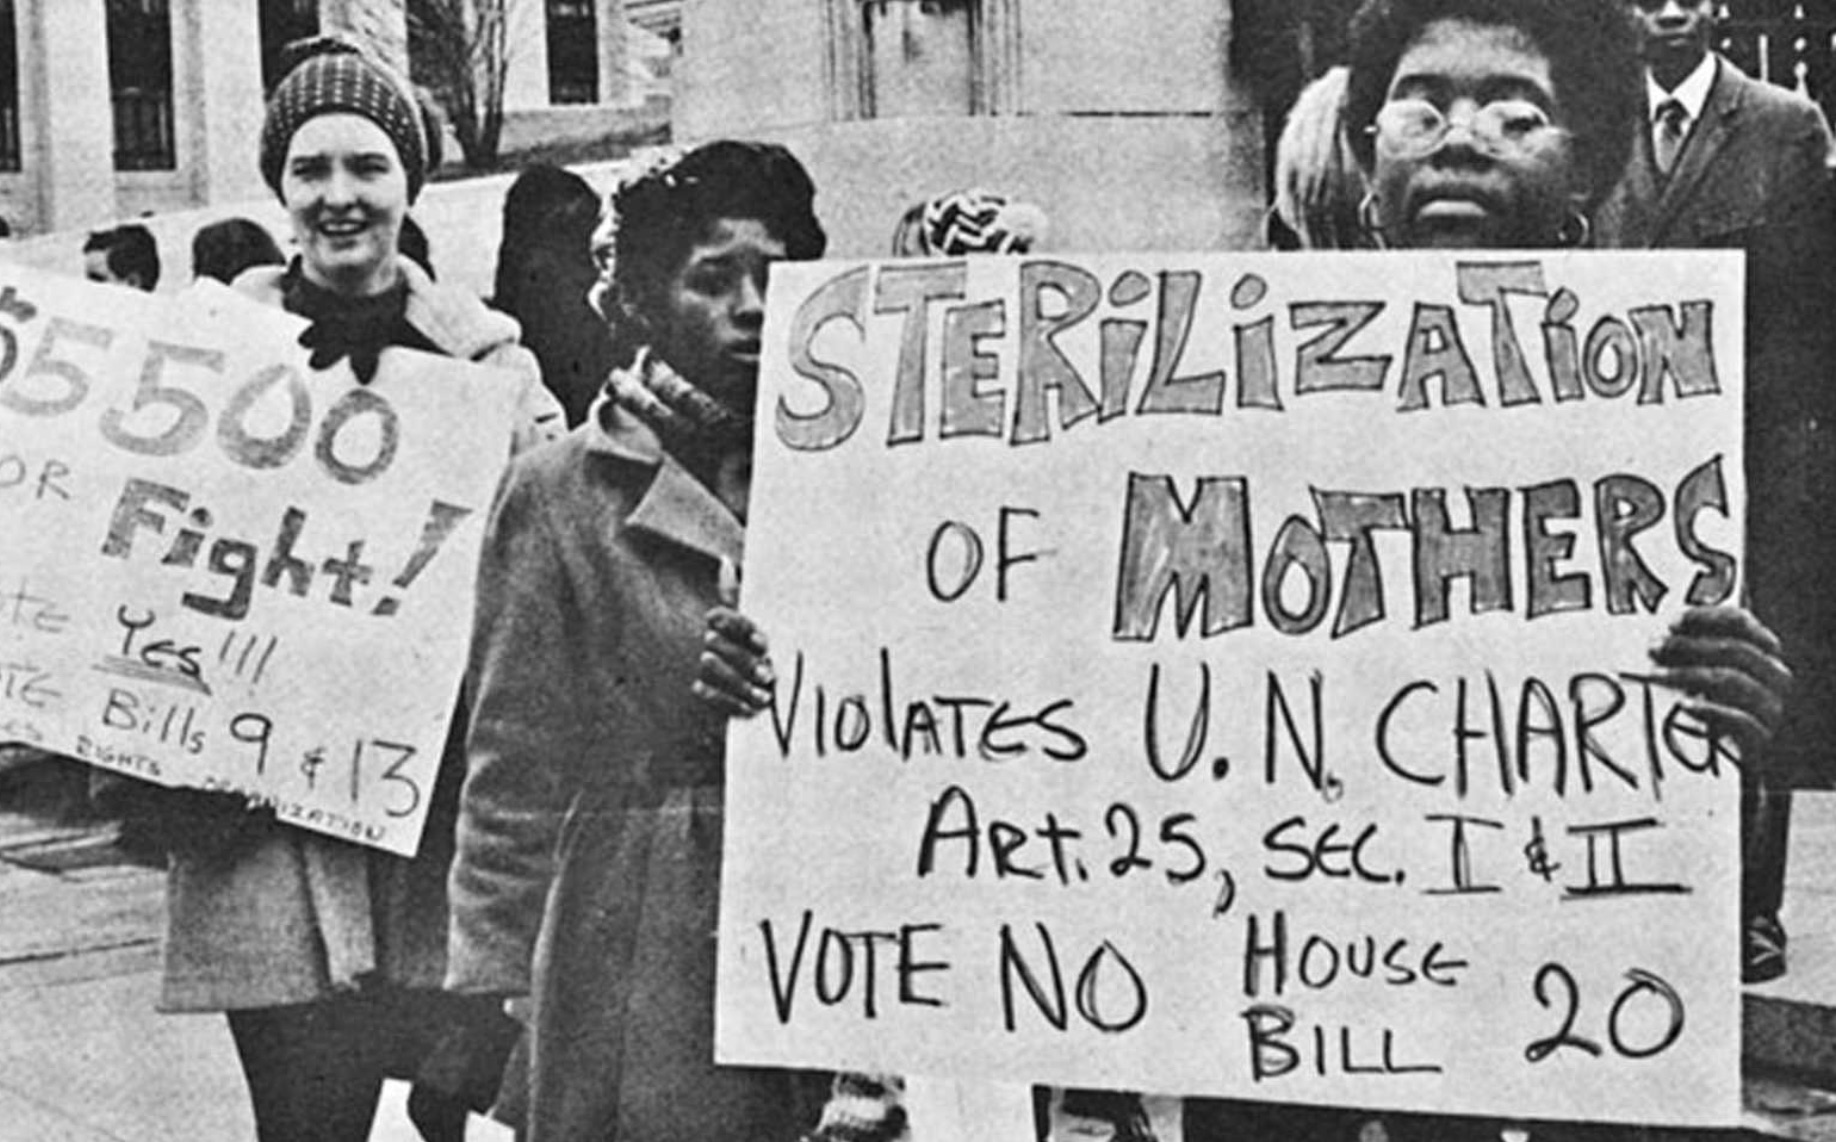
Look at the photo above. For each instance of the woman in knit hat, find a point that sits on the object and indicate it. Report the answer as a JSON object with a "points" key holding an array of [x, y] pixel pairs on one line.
{"points": [[589, 841], [327, 956]]}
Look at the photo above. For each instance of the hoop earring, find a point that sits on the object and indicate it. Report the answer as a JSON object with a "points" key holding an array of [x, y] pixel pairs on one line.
{"points": [[1575, 231], [1370, 223]]}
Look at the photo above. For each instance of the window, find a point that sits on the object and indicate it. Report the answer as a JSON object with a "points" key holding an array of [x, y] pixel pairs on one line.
{"points": [[573, 52], [9, 88], [920, 56], [282, 22], [140, 84], [895, 58]]}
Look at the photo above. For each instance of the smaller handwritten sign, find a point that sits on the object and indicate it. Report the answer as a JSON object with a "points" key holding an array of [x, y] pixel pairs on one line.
{"points": [[226, 570]]}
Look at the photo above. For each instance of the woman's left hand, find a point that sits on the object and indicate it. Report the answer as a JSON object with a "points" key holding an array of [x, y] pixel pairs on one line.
{"points": [[734, 672], [1730, 666]]}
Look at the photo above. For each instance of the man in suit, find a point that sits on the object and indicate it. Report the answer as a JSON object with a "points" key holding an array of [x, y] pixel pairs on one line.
{"points": [[1730, 162]]}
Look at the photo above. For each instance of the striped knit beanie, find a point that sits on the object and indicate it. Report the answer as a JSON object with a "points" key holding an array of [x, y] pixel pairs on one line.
{"points": [[969, 222], [336, 76], [863, 1108]]}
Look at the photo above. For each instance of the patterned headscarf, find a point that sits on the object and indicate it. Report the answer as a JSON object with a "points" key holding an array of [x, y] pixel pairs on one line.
{"points": [[968, 222], [863, 1108], [336, 76]]}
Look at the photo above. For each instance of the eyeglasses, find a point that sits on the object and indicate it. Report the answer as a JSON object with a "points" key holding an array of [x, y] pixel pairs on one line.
{"points": [[1412, 128]]}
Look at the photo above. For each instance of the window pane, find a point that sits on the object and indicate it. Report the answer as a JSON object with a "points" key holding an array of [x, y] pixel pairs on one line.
{"points": [[140, 83], [922, 56], [282, 22], [573, 52], [9, 89]]}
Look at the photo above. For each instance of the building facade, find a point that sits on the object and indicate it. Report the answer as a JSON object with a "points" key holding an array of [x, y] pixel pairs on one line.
{"points": [[112, 109], [1123, 121]]}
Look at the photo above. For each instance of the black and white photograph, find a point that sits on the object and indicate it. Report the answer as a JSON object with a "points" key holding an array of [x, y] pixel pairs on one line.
{"points": [[917, 570]]}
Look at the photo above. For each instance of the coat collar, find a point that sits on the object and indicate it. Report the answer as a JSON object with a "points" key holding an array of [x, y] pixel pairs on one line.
{"points": [[456, 322], [675, 506], [1692, 93]]}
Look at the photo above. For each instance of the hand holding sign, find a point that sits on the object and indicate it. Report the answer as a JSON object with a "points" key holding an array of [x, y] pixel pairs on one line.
{"points": [[1732, 668], [734, 673]]}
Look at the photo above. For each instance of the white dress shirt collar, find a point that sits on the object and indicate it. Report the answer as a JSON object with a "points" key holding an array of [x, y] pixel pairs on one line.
{"points": [[1692, 93]]}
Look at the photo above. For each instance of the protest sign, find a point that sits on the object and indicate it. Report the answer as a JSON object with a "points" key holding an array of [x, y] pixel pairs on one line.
{"points": [[227, 571], [1228, 675]]}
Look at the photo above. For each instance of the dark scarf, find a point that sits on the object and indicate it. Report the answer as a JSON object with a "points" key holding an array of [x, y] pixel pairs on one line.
{"points": [[356, 327], [704, 435]]}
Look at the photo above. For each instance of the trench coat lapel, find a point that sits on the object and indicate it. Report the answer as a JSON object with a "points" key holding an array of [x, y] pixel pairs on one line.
{"points": [[1720, 116], [676, 506], [680, 508]]}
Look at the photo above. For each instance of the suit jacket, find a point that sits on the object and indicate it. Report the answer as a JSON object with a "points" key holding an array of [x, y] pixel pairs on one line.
{"points": [[1754, 176]]}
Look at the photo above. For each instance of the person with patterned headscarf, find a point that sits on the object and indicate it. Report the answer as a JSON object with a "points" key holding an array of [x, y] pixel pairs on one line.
{"points": [[327, 957], [968, 222], [589, 843]]}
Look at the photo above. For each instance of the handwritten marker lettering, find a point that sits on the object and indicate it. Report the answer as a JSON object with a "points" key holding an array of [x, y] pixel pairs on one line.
{"points": [[441, 519], [45, 479]]}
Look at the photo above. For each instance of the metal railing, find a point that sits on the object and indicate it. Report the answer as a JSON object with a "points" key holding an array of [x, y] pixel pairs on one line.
{"points": [[1791, 43]]}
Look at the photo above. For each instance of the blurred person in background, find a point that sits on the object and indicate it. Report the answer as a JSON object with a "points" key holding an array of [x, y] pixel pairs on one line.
{"points": [[1318, 183], [969, 222], [413, 244], [223, 249], [125, 255], [545, 270]]}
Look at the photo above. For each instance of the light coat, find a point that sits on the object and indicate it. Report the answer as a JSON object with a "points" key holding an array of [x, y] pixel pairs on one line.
{"points": [[283, 916]]}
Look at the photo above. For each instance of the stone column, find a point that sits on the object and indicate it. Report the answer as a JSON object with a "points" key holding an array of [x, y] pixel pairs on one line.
{"points": [[614, 76], [223, 98], [75, 126], [525, 55]]}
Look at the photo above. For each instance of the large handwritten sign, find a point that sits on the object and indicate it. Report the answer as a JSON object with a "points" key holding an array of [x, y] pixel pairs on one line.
{"points": [[225, 570], [1228, 675]]}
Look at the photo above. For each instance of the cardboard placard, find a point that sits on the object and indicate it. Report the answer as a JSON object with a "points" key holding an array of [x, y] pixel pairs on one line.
{"points": [[225, 570], [1228, 675]]}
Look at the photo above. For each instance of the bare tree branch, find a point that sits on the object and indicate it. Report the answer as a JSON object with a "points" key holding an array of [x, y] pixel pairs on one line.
{"points": [[461, 50]]}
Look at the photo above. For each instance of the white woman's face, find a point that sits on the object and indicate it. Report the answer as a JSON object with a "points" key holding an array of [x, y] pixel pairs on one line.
{"points": [[1503, 172], [346, 194]]}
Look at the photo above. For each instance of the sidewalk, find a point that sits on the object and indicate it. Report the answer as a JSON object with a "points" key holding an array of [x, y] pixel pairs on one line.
{"points": [[83, 1055], [1790, 1023], [85, 1058]]}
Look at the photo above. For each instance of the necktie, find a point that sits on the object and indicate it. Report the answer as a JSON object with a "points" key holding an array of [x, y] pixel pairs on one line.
{"points": [[1671, 119]]}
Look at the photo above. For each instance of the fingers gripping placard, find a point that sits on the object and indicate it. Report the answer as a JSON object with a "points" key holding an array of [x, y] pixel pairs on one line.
{"points": [[225, 570], [1230, 675]]}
